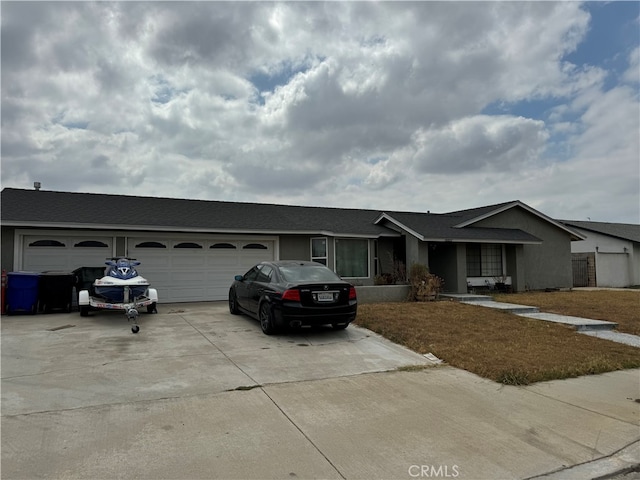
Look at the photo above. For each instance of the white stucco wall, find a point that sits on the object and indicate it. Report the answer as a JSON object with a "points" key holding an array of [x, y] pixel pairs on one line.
{"points": [[617, 260]]}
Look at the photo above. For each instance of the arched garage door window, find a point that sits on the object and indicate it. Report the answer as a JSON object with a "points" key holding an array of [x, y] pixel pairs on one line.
{"points": [[151, 245], [254, 246], [223, 245], [47, 243], [187, 245], [91, 244]]}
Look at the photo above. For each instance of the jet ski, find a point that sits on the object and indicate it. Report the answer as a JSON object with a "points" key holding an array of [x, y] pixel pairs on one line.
{"points": [[121, 282], [121, 288]]}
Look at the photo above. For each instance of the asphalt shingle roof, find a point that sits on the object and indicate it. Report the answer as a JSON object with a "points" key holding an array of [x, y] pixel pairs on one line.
{"points": [[442, 226], [21, 207], [89, 209], [625, 231]]}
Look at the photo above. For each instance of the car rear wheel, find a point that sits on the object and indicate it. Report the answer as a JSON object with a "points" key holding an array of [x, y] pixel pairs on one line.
{"points": [[233, 303], [339, 326], [266, 319]]}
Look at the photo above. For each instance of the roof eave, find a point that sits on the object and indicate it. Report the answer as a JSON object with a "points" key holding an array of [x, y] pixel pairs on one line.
{"points": [[484, 240], [155, 228], [599, 232]]}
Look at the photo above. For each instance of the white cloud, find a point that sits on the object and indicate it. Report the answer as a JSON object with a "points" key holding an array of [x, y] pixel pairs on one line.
{"points": [[488, 143], [362, 104], [632, 74]]}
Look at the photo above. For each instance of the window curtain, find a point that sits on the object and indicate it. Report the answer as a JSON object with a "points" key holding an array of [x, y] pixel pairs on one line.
{"points": [[352, 257]]}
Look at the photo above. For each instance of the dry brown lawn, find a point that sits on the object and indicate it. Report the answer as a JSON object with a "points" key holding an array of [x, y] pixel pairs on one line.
{"points": [[494, 344], [622, 307]]}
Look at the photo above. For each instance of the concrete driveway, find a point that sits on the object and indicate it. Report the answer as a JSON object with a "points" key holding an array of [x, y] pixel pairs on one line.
{"points": [[199, 393]]}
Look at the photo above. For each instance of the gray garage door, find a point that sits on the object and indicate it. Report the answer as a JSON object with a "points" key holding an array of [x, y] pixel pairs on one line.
{"points": [[185, 269], [194, 269]]}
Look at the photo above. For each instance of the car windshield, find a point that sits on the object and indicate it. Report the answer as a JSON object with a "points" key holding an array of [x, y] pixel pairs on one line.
{"points": [[307, 273]]}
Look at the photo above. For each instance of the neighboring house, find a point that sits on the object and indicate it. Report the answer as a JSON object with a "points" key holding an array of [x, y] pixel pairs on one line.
{"points": [[191, 249], [608, 257]]}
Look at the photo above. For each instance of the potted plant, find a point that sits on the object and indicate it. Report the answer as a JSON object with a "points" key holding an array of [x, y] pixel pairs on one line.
{"points": [[499, 283]]}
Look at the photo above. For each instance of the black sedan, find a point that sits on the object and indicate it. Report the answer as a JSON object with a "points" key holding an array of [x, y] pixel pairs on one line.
{"points": [[293, 294]]}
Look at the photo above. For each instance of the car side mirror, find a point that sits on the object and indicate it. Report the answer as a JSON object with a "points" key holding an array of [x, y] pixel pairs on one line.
{"points": [[239, 278]]}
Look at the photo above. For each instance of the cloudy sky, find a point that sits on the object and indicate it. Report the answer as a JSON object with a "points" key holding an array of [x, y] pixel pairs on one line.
{"points": [[414, 106]]}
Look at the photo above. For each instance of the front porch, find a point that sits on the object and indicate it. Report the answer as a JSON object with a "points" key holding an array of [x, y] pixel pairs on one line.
{"points": [[470, 267]]}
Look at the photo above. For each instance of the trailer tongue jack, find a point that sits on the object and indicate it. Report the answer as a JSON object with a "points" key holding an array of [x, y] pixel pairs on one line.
{"points": [[132, 317]]}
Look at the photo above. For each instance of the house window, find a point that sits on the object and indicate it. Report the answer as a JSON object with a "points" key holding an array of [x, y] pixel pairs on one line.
{"points": [[319, 250], [484, 260], [352, 257]]}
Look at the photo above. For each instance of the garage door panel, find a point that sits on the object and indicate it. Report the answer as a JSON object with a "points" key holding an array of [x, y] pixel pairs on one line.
{"points": [[218, 262], [224, 275], [183, 294], [250, 260], [187, 261], [188, 277], [43, 261], [153, 262]]}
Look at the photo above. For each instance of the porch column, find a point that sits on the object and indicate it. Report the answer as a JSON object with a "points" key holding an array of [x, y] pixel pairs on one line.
{"points": [[412, 245], [515, 267], [461, 268]]}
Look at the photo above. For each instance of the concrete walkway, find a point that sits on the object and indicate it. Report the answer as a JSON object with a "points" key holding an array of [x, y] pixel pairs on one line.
{"points": [[595, 328]]}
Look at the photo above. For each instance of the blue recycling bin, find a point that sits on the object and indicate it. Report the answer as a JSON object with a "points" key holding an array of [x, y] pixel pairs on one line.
{"points": [[22, 292]]}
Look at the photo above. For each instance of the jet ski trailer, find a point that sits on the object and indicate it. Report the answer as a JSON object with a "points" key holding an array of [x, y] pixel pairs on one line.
{"points": [[122, 288]]}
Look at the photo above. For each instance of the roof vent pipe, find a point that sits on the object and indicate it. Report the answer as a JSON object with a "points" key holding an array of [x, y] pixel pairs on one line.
{"points": [[37, 185]]}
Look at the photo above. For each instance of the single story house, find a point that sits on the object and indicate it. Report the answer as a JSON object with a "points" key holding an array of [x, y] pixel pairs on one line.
{"points": [[609, 256], [191, 249]]}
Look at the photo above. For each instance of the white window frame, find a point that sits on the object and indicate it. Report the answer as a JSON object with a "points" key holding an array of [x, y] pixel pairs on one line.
{"points": [[326, 251]]}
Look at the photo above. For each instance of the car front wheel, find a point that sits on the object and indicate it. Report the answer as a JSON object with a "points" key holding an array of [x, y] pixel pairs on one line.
{"points": [[266, 319]]}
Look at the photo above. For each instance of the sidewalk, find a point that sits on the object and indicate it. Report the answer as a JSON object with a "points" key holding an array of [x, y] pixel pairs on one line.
{"points": [[621, 462], [587, 326]]}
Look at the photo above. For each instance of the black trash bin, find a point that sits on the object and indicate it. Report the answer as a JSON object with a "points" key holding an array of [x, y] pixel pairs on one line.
{"points": [[56, 291], [85, 276]]}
